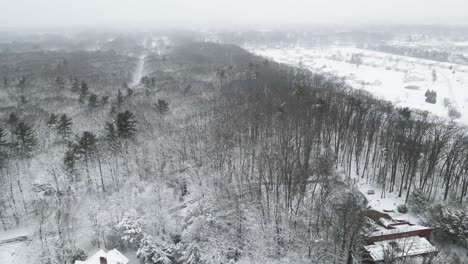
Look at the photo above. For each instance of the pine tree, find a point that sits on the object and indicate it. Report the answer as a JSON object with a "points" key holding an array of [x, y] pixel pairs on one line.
{"points": [[104, 99], [3, 147], [25, 139], [22, 100], [53, 120], [3, 141], [87, 148], [84, 88], [87, 144], [60, 82], [129, 92], [75, 85], [13, 120], [22, 82], [71, 156], [83, 91], [111, 137], [162, 106], [93, 100], [120, 99], [125, 125], [64, 126]]}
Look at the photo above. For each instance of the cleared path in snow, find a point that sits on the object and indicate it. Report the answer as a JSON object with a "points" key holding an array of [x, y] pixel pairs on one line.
{"points": [[138, 71]]}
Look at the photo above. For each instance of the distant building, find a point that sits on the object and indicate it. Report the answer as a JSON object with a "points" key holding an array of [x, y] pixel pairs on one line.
{"points": [[111, 257]]}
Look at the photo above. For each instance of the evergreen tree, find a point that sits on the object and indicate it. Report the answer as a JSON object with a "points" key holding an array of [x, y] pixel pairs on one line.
{"points": [[84, 88], [129, 92], [120, 99], [93, 100], [64, 126], [22, 100], [22, 82], [111, 136], [83, 91], [87, 144], [53, 120], [71, 156], [3, 141], [125, 125], [75, 85], [25, 139], [60, 82], [3, 147], [162, 106], [13, 120], [104, 100]]}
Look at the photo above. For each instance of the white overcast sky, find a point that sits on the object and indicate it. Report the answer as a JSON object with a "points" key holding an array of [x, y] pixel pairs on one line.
{"points": [[63, 13]]}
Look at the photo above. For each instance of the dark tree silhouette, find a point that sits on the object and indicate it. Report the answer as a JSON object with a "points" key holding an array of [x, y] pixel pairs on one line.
{"points": [[162, 106], [25, 139], [53, 120], [125, 125], [93, 100], [64, 126]]}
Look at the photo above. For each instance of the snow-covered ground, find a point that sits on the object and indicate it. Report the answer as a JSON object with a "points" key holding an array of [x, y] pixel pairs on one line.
{"points": [[12, 252], [399, 79]]}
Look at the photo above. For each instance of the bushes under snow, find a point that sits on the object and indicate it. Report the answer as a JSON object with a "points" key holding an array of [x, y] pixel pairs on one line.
{"points": [[419, 202], [402, 208], [450, 223]]}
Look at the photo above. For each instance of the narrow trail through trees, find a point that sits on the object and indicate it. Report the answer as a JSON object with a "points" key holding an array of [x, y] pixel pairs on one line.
{"points": [[138, 71]]}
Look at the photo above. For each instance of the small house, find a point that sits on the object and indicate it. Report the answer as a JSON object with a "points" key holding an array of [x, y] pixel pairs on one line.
{"points": [[111, 257], [391, 250]]}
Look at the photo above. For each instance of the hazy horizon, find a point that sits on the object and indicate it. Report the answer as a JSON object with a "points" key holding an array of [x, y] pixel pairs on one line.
{"points": [[126, 13]]}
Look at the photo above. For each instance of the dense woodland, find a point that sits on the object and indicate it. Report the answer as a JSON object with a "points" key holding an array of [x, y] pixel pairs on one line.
{"points": [[215, 156]]}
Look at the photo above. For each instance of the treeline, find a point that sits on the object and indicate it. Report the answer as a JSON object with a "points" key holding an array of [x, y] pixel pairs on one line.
{"points": [[281, 132], [400, 148]]}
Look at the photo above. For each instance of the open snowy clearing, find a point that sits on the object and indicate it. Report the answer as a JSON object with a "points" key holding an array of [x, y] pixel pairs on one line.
{"points": [[399, 79]]}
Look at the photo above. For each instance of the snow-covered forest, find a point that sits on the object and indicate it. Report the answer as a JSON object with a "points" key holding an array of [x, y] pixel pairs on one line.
{"points": [[176, 150]]}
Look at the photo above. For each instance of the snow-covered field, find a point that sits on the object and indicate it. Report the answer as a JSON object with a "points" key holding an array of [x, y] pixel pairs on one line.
{"points": [[399, 79]]}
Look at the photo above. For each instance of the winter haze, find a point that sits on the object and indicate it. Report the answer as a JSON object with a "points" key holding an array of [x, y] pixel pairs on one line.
{"points": [[63, 13]]}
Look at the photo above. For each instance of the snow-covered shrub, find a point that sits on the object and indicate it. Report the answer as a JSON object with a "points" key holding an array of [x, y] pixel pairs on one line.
{"points": [[156, 252], [130, 230], [450, 223], [191, 254], [402, 208], [419, 202]]}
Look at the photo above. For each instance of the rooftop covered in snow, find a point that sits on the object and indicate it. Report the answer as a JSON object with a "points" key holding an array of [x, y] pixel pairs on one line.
{"points": [[398, 248], [112, 257]]}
